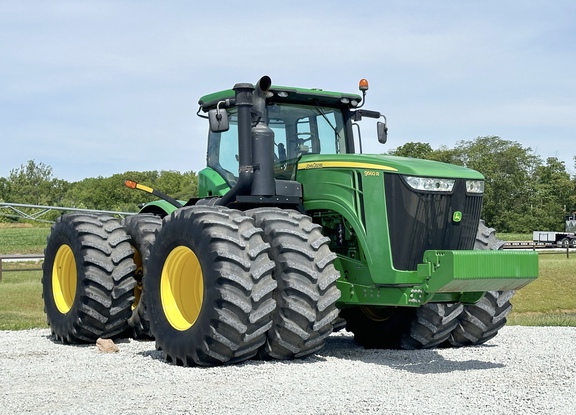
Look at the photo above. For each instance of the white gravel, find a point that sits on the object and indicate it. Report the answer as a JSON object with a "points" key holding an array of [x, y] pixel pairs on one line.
{"points": [[524, 370]]}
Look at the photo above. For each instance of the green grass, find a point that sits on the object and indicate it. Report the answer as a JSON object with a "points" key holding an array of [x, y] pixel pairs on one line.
{"points": [[551, 299], [23, 240], [510, 237], [21, 305]]}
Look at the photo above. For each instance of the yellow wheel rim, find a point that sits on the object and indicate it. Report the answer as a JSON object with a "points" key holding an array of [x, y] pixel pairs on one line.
{"points": [[182, 288], [64, 279]]}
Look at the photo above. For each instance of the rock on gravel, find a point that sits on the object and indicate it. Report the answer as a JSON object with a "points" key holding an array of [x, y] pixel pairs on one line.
{"points": [[523, 370]]}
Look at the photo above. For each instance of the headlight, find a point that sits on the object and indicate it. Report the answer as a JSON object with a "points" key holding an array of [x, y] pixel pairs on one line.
{"points": [[475, 186], [430, 184]]}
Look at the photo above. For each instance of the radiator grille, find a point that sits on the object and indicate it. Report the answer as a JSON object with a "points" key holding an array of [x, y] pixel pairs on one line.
{"points": [[419, 221]]}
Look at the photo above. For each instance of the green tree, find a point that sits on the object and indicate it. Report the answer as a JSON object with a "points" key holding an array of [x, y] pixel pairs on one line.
{"points": [[3, 189], [110, 193], [553, 195], [424, 151], [508, 168], [413, 149], [33, 183]]}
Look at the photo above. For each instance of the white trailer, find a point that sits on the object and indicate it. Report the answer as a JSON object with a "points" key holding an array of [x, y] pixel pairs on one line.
{"points": [[559, 239]]}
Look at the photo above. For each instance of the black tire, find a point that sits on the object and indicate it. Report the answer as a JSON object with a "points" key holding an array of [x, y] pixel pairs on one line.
{"points": [[142, 230], [408, 328], [378, 327], [88, 278], [209, 287], [209, 201], [304, 271], [432, 326], [480, 322], [486, 238]]}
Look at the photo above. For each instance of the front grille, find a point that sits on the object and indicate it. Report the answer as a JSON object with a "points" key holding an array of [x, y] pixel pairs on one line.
{"points": [[419, 221]]}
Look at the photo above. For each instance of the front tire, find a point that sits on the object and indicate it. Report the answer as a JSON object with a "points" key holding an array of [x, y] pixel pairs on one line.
{"points": [[378, 327], [480, 322], [88, 278], [209, 287], [306, 277], [407, 328]]}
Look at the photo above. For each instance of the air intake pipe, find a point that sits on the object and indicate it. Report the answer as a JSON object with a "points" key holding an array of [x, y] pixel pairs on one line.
{"points": [[251, 104]]}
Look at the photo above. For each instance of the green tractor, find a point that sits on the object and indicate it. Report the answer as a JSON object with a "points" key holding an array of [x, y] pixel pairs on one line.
{"points": [[295, 234]]}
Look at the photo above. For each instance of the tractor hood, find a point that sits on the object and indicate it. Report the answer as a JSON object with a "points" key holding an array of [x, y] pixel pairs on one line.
{"points": [[391, 164]]}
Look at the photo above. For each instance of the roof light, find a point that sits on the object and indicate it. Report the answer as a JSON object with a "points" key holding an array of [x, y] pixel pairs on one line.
{"points": [[283, 94], [363, 85], [344, 100]]}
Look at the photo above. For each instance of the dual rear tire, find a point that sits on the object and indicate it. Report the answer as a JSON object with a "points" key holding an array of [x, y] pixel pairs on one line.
{"points": [[306, 277], [224, 286], [206, 282], [209, 287], [88, 278]]}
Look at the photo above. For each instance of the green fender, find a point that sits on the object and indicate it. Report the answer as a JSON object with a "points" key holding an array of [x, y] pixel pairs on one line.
{"points": [[159, 207]]}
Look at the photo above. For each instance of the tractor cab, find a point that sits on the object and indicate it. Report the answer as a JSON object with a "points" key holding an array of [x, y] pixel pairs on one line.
{"points": [[303, 122]]}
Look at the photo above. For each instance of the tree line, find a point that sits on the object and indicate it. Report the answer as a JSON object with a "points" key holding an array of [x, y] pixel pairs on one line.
{"points": [[522, 192], [33, 183]]}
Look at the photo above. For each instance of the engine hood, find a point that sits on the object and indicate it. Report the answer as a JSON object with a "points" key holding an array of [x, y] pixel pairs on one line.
{"points": [[391, 164]]}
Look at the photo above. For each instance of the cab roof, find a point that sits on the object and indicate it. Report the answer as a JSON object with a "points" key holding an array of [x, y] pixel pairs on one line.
{"points": [[289, 94]]}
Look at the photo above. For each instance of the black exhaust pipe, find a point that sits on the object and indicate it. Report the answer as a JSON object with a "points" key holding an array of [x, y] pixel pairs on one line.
{"points": [[255, 143], [244, 93], [262, 143]]}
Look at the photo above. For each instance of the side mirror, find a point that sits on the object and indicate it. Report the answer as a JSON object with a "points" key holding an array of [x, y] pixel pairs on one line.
{"points": [[382, 132], [218, 120]]}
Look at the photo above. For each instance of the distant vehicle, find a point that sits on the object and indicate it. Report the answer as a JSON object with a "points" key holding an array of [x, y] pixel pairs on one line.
{"points": [[560, 239]]}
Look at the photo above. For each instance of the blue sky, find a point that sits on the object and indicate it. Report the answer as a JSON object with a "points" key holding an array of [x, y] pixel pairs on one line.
{"points": [[94, 88]]}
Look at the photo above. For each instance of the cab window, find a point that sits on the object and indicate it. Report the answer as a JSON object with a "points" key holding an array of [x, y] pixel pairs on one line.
{"points": [[298, 130]]}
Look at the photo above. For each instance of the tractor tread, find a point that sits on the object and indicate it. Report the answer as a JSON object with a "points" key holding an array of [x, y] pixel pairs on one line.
{"points": [[480, 322], [306, 294], [142, 229], [238, 286], [105, 277]]}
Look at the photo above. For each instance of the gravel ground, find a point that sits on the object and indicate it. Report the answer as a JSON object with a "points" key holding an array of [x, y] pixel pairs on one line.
{"points": [[524, 370]]}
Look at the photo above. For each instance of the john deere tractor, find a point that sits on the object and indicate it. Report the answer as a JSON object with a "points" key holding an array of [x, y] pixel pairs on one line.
{"points": [[295, 234]]}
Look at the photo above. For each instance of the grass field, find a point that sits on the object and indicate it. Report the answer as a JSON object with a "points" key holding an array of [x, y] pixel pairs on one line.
{"points": [[21, 305], [513, 237], [551, 299], [548, 301], [22, 239]]}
